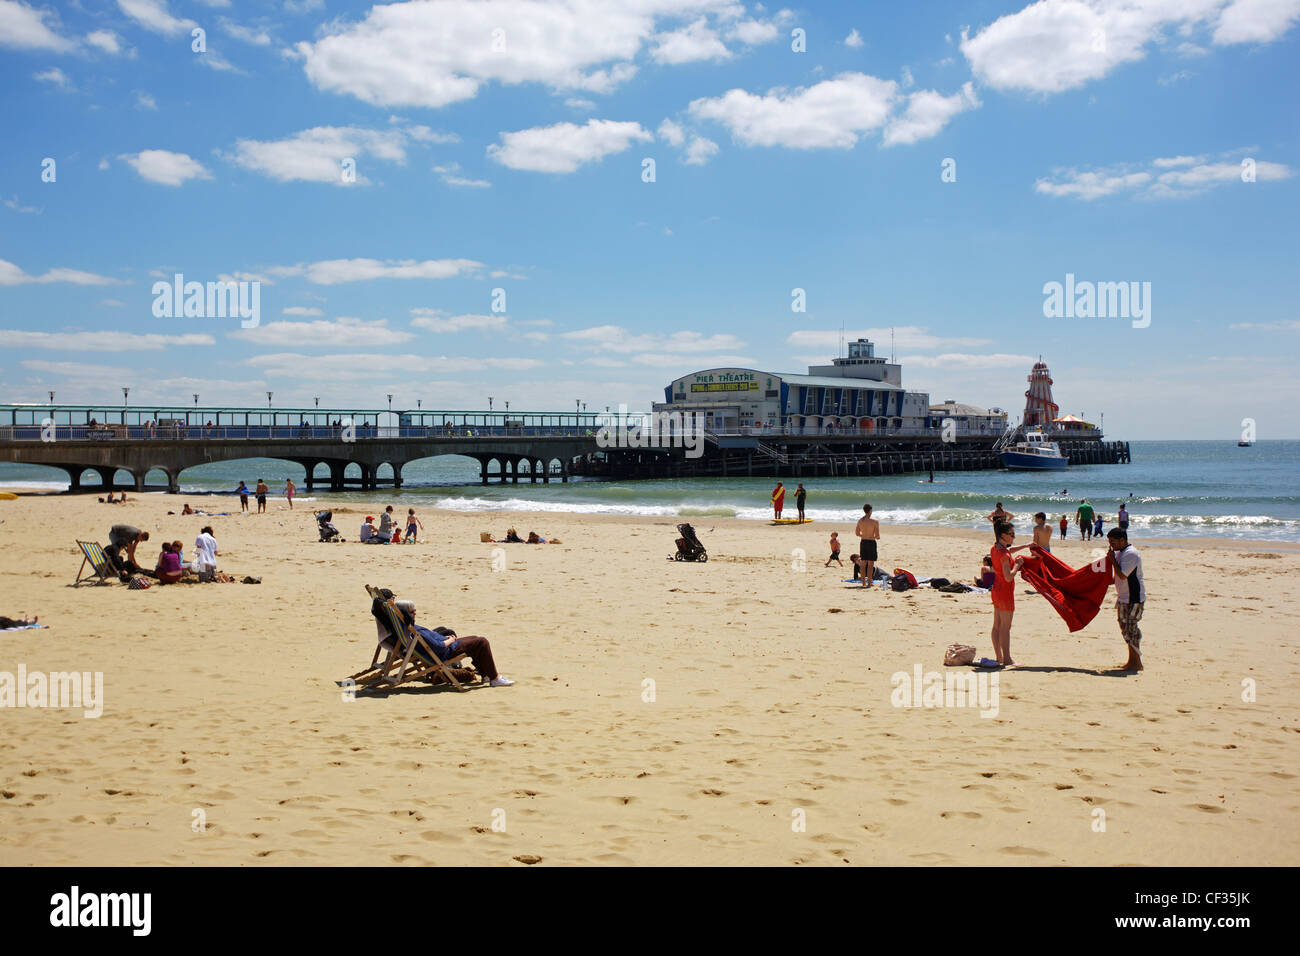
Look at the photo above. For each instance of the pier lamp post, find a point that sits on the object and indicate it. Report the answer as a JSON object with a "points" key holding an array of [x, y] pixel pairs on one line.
{"points": [[196, 399], [125, 392], [419, 403], [507, 405], [268, 399], [317, 401], [390, 403], [489, 403], [51, 398]]}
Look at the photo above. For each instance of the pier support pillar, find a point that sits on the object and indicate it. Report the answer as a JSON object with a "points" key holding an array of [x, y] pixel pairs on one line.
{"points": [[106, 477], [397, 474]]}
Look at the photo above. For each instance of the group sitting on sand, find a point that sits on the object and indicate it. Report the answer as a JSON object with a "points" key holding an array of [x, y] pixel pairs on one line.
{"points": [[171, 566], [389, 531], [512, 537]]}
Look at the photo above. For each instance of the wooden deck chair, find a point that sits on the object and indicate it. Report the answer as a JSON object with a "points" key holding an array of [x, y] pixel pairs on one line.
{"points": [[407, 656], [101, 569]]}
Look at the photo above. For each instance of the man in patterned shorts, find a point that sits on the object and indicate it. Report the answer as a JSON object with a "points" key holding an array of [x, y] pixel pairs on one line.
{"points": [[1130, 594]]}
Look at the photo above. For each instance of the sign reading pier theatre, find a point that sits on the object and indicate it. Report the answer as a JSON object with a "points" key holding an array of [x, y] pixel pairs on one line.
{"points": [[725, 382], [683, 430]]}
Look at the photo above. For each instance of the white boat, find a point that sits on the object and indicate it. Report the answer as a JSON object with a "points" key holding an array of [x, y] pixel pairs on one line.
{"points": [[1035, 453]]}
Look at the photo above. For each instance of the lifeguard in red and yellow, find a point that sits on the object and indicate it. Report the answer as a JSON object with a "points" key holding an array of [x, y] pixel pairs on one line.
{"points": [[778, 499]]}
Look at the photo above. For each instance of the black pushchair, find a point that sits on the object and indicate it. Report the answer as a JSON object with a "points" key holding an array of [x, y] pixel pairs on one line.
{"points": [[688, 545], [327, 530]]}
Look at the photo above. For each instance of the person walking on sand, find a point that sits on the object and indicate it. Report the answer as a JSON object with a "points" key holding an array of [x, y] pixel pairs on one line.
{"points": [[1004, 590], [289, 489], [799, 496], [1122, 518], [261, 495], [868, 530], [243, 497], [835, 551], [1085, 517], [1130, 594], [778, 500], [413, 524]]}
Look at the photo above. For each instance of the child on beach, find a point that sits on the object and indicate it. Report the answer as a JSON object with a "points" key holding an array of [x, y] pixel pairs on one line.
{"points": [[835, 550], [1043, 532], [1004, 590], [1065, 524], [412, 524], [289, 489]]}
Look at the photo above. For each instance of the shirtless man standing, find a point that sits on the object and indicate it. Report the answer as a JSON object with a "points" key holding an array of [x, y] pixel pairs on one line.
{"points": [[1042, 532], [868, 530]]}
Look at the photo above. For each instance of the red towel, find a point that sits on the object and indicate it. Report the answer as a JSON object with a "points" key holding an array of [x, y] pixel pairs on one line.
{"points": [[1076, 595]]}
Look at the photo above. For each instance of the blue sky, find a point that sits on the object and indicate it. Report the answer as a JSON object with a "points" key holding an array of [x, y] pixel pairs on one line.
{"points": [[501, 145]]}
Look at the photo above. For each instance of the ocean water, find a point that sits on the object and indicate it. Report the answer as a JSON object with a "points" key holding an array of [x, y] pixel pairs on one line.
{"points": [[1178, 488]]}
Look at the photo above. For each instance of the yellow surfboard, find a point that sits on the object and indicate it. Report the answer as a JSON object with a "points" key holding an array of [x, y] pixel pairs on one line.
{"points": [[791, 521], [8, 496]]}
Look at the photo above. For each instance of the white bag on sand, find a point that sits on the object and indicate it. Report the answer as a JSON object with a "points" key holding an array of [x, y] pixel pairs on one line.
{"points": [[958, 655]]}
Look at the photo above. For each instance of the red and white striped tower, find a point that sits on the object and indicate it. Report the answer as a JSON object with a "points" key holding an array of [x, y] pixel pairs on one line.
{"points": [[1039, 407]]}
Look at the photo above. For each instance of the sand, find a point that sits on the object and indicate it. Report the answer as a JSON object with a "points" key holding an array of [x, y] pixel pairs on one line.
{"points": [[767, 735]]}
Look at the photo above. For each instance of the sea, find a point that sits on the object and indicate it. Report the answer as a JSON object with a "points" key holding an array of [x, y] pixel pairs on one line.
{"points": [[1172, 489]]}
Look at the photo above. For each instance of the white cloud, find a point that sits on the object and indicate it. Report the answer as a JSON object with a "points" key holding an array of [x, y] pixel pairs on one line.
{"points": [[1056, 45], [113, 303], [854, 39], [689, 44], [302, 310], [254, 35], [424, 134], [754, 32], [615, 338], [451, 176], [578, 103], [830, 114], [1174, 177], [335, 271], [145, 101], [293, 365], [336, 333], [1255, 21], [1285, 325], [154, 15], [98, 341], [927, 113], [434, 321], [17, 206], [106, 40], [671, 133], [963, 360], [11, 274], [564, 147], [165, 167], [214, 61], [25, 28], [55, 77], [905, 336], [437, 52], [700, 151], [316, 155]]}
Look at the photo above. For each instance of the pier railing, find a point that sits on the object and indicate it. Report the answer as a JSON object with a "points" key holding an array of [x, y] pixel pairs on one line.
{"points": [[111, 433]]}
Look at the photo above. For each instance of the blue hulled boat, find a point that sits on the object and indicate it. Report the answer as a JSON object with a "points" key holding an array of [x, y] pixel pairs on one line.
{"points": [[1035, 453]]}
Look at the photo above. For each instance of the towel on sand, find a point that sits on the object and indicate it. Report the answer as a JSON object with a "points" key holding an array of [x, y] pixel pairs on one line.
{"points": [[1076, 595]]}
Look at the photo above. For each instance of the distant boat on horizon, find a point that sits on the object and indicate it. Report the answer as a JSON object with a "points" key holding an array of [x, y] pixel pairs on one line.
{"points": [[1244, 444]]}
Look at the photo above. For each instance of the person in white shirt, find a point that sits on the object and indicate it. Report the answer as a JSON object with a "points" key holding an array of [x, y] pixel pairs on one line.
{"points": [[368, 533], [1130, 594], [205, 554]]}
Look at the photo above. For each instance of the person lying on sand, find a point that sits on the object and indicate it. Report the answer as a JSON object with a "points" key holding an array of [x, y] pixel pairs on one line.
{"points": [[447, 644], [24, 621], [512, 537]]}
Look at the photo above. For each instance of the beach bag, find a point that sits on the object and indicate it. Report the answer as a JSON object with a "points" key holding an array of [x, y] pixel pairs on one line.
{"points": [[937, 583], [899, 583], [138, 583], [958, 655], [956, 587], [484, 536], [907, 577]]}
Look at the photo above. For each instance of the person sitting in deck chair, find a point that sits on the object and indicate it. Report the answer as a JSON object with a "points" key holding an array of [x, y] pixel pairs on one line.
{"points": [[447, 644]]}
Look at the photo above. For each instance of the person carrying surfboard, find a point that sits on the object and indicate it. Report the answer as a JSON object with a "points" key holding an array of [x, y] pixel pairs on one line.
{"points": [[778, 500]]}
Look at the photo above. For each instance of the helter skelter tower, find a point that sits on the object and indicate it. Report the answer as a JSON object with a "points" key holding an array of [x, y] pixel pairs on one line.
{"points": [[1040, 410]]}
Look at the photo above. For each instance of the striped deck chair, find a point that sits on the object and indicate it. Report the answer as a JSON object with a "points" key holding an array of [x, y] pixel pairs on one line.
{"points": [[406, 655], [101, 570]]}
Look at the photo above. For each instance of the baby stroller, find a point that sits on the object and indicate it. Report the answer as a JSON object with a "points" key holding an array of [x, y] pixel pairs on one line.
{"points": [[688, 546], [327, 530]]}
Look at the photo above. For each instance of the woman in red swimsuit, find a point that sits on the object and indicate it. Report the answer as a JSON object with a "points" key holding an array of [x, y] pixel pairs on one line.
{"points": [[1004, 593]]}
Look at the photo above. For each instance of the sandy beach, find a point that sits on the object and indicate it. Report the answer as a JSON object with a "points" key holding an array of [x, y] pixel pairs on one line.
{"points": [[735, 712]]}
